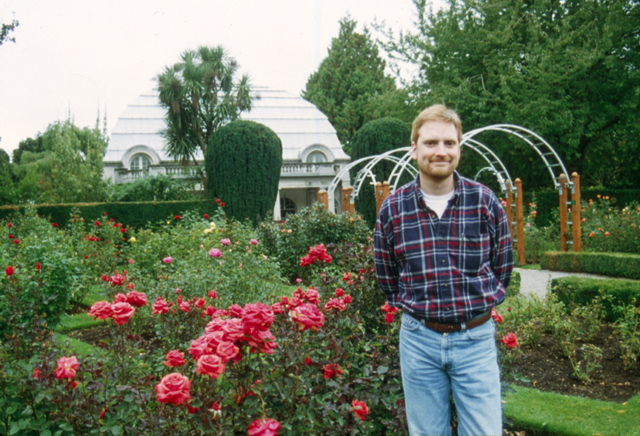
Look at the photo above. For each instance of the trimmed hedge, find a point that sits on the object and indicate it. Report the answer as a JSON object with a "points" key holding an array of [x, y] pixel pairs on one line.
{"points": [[582, 291], [609, 264], [135, 214]]}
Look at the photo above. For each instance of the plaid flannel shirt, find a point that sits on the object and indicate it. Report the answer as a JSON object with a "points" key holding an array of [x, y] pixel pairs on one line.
{"points": [[449, 269]]}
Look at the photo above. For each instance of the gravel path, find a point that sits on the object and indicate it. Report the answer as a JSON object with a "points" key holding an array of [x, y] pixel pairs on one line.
{"points": [[536, 282]]}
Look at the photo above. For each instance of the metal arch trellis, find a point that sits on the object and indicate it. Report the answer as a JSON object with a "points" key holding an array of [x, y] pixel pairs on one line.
{"points": [[542, 147], [494, 162]]}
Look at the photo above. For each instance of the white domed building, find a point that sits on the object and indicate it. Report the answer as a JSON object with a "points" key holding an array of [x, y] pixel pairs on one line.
{"points": [[311, 152]]}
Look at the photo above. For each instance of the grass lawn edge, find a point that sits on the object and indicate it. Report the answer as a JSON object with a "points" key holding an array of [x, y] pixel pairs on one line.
{"points": [[566, 415]]}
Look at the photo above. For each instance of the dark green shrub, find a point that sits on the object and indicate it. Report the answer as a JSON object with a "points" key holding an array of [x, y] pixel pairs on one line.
{"points": [[582, 291], [154, 188], [374, 138], [243, 163], [609, 264], [290, 240]]}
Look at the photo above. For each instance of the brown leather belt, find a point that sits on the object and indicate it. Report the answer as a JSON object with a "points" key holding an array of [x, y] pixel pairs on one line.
{"points": [[450, 328]]}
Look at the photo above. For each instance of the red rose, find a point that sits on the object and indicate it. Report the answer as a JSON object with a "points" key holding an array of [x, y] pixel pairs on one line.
{"points": [[173, 388], [339, 292], [307, 260], [233, 329], [97, 223], [388, 317], [37, 374], [236, 311], [137, 299], [221, 204], [332, 370], [360, 409], [257, 315], [199, 303], [16, 241], [160, 307], [86, 256], [216, 325], [123, 230], [9, 270], [227, 350], [308, 361], [205, 216], [9, 225], [38, 266], [54, 224], [105, 278], [335, 303], [264, 427], [346, 276], [210, 365], [122, 312], [120, 298], [67, 367], [293, 303], [117, 279], [347, 299], [511, 341], [496, 316], [206, 344], [388, 309], [213, 294], [185, 306], [277, 308], [177, 217], [312, 296], [307, 316], [101, 310], [218, 200], [174, 358]]}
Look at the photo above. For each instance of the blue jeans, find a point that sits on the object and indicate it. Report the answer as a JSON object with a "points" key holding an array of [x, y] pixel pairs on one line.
{"points": [[435, 364]]}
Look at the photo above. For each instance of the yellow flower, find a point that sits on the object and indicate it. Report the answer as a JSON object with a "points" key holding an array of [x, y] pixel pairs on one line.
{"points": [[213, 225], [132, 239], [168, 222], [207, 230]]}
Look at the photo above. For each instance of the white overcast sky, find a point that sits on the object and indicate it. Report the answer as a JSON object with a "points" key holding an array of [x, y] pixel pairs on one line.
{"points": [[79, 56]]}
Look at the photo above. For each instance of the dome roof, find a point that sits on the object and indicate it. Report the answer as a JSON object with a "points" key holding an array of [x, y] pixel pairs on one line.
{"points": [[298, 123]]}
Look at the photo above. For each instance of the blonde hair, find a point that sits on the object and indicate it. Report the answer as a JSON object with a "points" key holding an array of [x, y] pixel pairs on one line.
{"points": [[437, 112]]}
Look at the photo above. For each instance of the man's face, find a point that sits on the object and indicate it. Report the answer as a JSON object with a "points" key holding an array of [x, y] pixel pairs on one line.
{"points": [[436, 150]]}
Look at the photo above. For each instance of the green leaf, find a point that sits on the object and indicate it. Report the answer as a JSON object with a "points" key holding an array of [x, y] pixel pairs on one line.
{"points": [[382, 370], [116, 430], [45, 433]]}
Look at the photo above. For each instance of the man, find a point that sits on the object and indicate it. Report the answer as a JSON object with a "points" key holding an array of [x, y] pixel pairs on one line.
{"points": [[443, 255]]}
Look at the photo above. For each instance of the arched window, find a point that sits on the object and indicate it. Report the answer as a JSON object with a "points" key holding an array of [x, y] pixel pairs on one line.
{"points": [[140, 161], [316, 157], [287, 206]]}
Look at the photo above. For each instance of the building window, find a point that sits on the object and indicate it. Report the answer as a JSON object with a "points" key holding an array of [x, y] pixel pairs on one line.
{"points": [[316, 157], [140, 162], [287, 207]]}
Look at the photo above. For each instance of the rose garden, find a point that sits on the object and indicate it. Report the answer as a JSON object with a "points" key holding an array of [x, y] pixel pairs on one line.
{"points": [[203, 325]]}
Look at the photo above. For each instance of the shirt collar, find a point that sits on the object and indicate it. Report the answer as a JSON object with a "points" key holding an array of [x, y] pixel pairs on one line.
{"points": [[457, 190]]}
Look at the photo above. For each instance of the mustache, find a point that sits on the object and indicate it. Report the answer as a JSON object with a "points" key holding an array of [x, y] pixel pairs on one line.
{"points": [[441, 160]]}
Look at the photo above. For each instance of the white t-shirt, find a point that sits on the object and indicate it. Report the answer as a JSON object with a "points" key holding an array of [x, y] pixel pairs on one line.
{"points": [[438, 203]]}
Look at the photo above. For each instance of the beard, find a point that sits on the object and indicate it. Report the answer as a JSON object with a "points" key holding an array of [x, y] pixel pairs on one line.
{"points": [[437, 172]]}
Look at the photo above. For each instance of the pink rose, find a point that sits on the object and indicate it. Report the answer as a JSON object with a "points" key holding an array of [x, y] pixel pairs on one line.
{"points": [[120, 298], [160, 307], [117, 279], [236, 311], [227, 350], [213, 294], [277, 308], [211, 365], [174, 388], [225, 241], [67, 367], [496, 316], [122, 312], [168, 259], [137, 299], [101, 310], [233, 329], [347, 299], [215, 253], [264, 427], [253, 242], [312, 296], [307, 316], [257, 315], [511, 341], [174, 358], [184, 306]]}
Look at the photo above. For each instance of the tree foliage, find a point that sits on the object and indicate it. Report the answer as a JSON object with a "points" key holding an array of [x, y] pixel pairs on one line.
{"points": [[153, 188], [374, 138], [68, 167], [568, 70], [5, 31], [246, 158], [200, 96], [348, 81]]}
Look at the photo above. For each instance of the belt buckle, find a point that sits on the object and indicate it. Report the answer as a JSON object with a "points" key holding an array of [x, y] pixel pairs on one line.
{"points": [[449, 328]]}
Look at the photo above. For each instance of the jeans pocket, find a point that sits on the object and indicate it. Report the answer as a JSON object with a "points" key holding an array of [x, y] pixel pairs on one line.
{"points": [[484, 331], [409, 323]]}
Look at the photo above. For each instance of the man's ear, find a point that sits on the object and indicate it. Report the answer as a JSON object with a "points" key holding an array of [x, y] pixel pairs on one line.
{"points": [[414, 154]]}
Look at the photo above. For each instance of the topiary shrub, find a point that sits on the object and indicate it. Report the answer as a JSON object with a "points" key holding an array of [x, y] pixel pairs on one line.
{"points": [[374, 138], [243, 163]]}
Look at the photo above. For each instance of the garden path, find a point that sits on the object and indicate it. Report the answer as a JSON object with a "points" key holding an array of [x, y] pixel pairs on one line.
{"points": [[536, 282]]}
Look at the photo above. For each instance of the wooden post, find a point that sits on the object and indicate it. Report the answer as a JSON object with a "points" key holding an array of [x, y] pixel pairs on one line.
{"points": [[323, 197], [347, 205], [564, 215], [509, 208], [520, 221], [575, 213], [382, 192]]}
